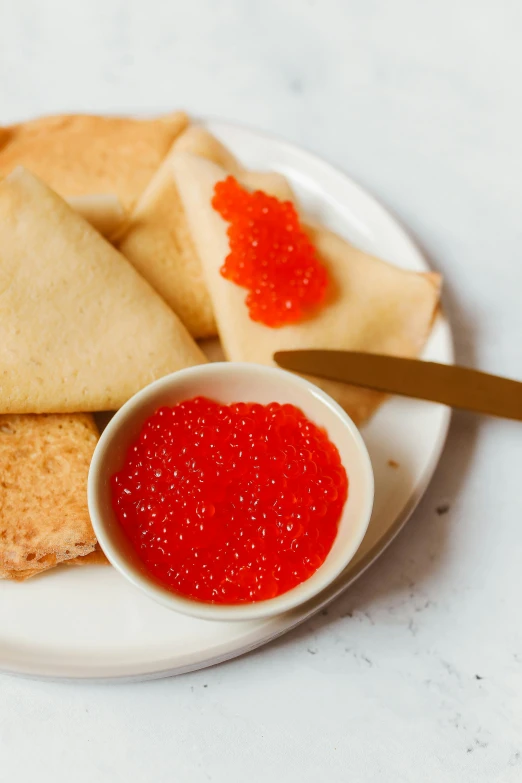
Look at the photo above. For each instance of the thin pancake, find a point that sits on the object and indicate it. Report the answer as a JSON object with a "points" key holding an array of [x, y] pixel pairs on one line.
{"points": [[81, 154], [80, 330], [374, 307], [44, 462], [158, 242]]}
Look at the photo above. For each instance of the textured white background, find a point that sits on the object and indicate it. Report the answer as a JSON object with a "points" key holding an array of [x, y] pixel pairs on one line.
{"points": [[416, 673]]}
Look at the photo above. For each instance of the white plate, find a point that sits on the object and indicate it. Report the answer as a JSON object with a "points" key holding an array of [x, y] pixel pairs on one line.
{"points": [[90, 623]]}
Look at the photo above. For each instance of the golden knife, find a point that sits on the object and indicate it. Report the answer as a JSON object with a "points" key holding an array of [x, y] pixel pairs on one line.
{"points": [[458, 387]]}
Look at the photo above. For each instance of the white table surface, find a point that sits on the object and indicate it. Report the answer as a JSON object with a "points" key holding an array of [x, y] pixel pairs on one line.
{"points": [[416, 673]]}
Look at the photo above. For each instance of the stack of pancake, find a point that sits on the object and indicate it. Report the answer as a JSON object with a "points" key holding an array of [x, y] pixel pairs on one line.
{"points": [[110, 253]]}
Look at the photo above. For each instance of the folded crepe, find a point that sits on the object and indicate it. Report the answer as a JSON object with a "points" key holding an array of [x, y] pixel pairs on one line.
{"points": [[158, 241], [82, 154], [80, 330], [374, 306], [44, 520]]}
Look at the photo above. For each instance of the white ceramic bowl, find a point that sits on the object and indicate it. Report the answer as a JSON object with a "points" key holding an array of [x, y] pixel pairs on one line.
{"points": [[230, 382]]}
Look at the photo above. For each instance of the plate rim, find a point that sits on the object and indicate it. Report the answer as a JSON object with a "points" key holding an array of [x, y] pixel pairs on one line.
{"points": [[144, 673]]}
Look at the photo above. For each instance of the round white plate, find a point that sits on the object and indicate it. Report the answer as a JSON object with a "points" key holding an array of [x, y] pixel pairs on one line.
{"points": [[90, 623]]}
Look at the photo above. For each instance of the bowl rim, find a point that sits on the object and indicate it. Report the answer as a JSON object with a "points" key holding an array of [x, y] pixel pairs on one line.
{"points": [[204, 610]]}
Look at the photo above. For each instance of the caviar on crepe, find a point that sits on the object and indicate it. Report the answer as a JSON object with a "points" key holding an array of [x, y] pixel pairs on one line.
{"points": [[230, 503], [270, 255]]}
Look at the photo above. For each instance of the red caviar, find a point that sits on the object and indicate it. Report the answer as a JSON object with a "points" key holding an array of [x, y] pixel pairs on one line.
{"points": [[270, 254], [230, 503]]}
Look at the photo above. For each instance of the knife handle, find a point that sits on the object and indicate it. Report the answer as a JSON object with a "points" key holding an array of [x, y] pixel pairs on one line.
{"points": [[461, 387]]}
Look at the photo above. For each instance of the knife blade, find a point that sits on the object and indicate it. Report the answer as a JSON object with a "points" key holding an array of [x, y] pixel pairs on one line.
{"points": [[459, 387]]}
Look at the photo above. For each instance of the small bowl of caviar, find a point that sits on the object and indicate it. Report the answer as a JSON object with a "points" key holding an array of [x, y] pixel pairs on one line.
{"points": [[230, 491]]}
